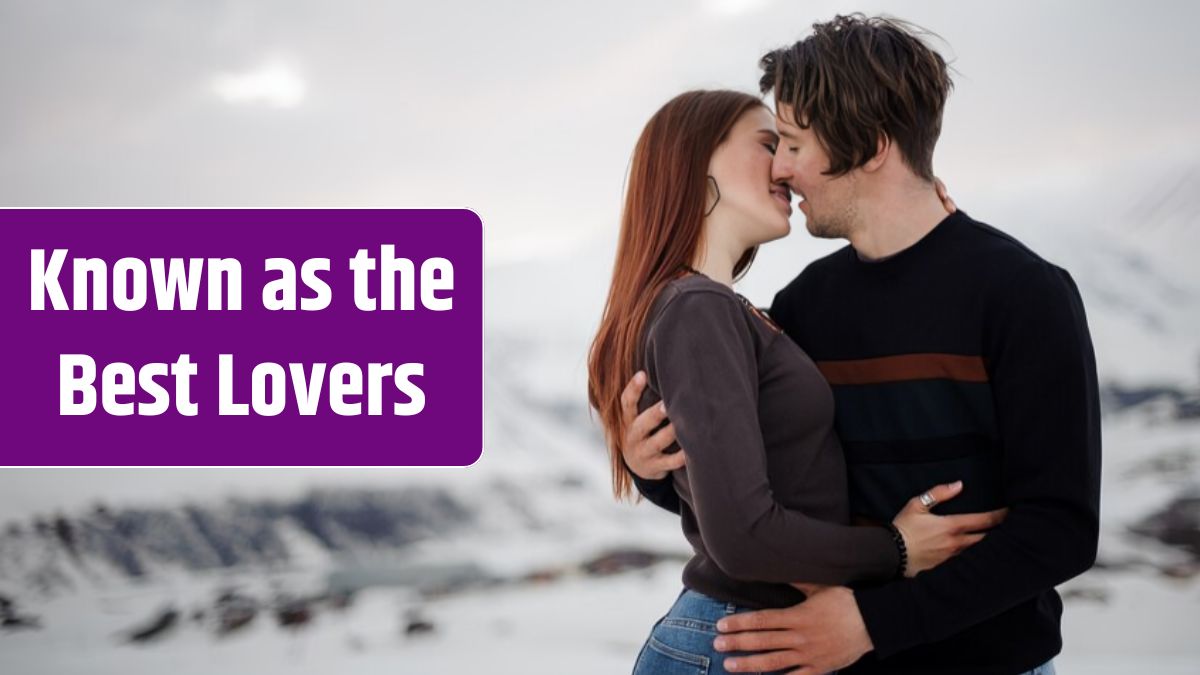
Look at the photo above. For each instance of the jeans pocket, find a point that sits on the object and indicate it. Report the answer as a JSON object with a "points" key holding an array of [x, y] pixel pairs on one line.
{"points": [[677, 647]]}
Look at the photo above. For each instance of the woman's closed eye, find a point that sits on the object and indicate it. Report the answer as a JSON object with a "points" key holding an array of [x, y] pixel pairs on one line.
{"points": [[771, 147]]}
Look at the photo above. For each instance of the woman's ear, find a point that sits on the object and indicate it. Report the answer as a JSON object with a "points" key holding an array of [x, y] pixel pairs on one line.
{"points": [[714, 195]]}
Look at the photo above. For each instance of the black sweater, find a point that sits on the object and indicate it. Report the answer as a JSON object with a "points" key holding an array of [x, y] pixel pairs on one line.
{"points": [[965, 356]]}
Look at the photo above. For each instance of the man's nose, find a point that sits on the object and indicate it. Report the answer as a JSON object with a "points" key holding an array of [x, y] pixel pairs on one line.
{"points": [[781, 169]]}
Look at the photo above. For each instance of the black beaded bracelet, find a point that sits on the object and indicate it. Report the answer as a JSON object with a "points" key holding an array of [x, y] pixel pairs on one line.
{"points": [[901, 548]]}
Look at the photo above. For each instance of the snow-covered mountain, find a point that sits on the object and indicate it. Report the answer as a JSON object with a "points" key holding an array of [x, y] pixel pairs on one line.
{"points": [[52, 555]]}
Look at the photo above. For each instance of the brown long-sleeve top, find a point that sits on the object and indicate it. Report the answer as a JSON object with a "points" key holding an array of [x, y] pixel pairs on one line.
{"points": [[764, 496]]}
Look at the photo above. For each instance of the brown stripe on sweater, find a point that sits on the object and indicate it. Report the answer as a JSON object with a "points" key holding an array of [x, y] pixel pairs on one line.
{"points": [[905, 367]]}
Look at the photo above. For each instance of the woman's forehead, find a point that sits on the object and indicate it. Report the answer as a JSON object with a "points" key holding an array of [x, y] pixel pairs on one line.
{"points": [[758, 118]]}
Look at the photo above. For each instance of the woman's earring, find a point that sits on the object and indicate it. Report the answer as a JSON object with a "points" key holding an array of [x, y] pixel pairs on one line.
{"points": [[716, 188]]}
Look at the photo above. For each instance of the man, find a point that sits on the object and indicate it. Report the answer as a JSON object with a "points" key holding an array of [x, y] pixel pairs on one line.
{"points": [[954, 353]]}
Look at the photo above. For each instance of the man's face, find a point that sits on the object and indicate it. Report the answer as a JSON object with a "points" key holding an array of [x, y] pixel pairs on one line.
{"points": [[829, 203]]}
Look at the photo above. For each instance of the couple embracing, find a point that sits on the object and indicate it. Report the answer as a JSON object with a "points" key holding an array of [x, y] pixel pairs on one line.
{"points": [[891, 469]]}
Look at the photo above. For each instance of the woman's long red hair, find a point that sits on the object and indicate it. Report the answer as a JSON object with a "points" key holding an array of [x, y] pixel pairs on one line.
{"points": [[661, 231]]}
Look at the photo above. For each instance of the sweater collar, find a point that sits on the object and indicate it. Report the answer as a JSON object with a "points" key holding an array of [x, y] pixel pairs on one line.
{"points": [[903, 258]]}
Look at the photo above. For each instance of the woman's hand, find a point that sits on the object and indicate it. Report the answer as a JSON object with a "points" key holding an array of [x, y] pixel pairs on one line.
{"points": [[932, 539], [943, 195]]}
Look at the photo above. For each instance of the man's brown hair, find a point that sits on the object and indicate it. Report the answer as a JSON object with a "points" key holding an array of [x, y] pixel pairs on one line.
{"points": [[857, 79]]}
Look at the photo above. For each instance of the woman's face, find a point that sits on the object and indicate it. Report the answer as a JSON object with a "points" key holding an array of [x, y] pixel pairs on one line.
{"points": [[754, 209]]}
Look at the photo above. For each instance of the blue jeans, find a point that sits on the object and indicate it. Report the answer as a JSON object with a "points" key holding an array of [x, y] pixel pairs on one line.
{"points": [[1046, 668], [681, 643]]}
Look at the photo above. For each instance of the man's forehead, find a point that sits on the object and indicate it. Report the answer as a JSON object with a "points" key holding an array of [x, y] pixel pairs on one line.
{"points": [[785, 119]]}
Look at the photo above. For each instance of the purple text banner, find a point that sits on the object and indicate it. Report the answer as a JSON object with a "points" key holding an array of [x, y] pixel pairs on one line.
{"points": [[358, 341]]}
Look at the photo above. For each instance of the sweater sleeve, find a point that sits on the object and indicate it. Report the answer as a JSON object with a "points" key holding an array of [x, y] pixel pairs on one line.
{"points": [[660, 492], [700, 355], [1043, 377]]}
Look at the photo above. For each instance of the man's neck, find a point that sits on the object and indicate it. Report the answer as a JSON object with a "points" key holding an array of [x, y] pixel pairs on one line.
{"points": [[894, 223]]}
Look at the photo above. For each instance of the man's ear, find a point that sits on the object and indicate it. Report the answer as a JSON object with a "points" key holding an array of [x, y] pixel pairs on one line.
{"points": [[883, 147]]}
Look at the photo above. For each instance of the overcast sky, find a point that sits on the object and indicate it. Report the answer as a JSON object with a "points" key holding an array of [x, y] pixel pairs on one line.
{"points": [[527, 112]]}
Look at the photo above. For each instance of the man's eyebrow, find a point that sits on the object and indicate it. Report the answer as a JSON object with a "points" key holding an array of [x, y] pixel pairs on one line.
{"points": [[787, 134]]}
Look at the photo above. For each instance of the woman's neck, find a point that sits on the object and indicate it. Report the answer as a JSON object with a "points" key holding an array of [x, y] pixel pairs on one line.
{"points": [[716, 264]]}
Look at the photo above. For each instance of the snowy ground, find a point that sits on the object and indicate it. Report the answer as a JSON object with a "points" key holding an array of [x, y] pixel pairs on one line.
{"points": [[578, 625]]}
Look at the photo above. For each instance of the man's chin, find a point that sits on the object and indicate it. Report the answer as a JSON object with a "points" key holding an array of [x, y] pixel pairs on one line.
{"points": [[823, 230], [816, 230]]}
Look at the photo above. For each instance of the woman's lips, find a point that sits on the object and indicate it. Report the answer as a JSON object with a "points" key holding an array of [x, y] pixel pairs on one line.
{"points": [[782, 198]]}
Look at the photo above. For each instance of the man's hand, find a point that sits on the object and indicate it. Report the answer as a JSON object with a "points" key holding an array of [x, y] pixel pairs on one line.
{"points": [[809, 589], [643, 447], [823, 634]]}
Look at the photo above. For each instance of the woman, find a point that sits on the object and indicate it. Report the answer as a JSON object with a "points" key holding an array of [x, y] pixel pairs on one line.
{"points": [[764, 490]]}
